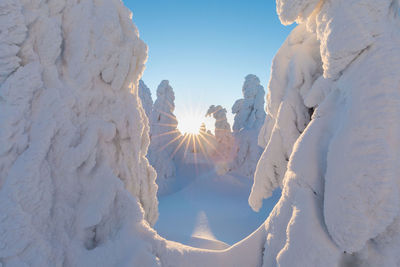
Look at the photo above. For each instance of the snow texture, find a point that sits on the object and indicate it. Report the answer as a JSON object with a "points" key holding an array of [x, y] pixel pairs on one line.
{"points": [[249, 117], [163, 134], [75, 185]]}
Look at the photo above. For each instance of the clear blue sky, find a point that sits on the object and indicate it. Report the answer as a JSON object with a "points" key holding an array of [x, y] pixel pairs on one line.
{"points": [[205, 48]]}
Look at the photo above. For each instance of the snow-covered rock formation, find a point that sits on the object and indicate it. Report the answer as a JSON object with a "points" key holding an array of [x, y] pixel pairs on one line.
{"points": [[249, 117], [224, 140], [75, 185], [339, 171], [164, 134], [145, 98]]}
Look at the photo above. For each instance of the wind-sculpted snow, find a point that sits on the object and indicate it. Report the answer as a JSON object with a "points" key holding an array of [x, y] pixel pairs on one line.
{"points": [[75, 185], [340, 199], [249, 117], [163, 134]]}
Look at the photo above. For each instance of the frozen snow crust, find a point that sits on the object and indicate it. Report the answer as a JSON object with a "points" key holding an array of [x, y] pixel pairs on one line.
{"points": [[77, 190]]}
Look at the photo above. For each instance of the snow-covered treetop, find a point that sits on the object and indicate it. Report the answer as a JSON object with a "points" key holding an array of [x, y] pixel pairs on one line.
{"points": [[250, 111], [360, 23], [162, 118], [145, 97]]}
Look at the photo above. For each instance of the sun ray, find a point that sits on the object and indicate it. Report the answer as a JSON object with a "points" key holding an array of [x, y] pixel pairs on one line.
{"points": [[169, 143], [179, 146]]}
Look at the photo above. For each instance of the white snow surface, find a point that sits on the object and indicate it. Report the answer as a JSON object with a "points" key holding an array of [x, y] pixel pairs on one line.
{"points": [[249, 117]]}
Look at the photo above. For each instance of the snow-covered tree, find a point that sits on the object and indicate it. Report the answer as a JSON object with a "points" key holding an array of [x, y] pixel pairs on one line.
{"points": [[339, 171], [75, 185], [164, 134], [225, 143], [145, 98], [249, 117]]}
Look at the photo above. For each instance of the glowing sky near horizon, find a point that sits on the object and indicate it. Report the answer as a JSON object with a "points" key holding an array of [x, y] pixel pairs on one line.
{"points": [[206, 48]]}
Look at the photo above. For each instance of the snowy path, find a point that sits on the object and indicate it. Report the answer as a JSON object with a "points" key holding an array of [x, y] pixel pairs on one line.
{"points": [[211, 211]]}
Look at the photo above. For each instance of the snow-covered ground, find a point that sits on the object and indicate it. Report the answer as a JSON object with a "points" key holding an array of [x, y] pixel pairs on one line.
{"points": [[207, 210]]}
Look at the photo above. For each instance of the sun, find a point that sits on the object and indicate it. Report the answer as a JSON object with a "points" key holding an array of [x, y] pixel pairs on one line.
{"points": [[189, 123]]}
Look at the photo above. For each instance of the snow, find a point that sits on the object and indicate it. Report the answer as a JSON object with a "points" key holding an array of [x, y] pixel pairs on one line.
{"points": [[249, 117], [200, 209]]}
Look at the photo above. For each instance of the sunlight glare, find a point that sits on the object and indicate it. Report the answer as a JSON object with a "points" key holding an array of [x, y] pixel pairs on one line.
{"points": [[190, 121]]}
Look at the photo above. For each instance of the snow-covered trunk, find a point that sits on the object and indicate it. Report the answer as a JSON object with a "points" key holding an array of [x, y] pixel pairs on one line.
{"points": [[74, 181]]}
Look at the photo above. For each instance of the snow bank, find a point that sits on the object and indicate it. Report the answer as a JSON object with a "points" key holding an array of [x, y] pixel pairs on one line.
{"points": [[75, 185], [249, 117]]}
